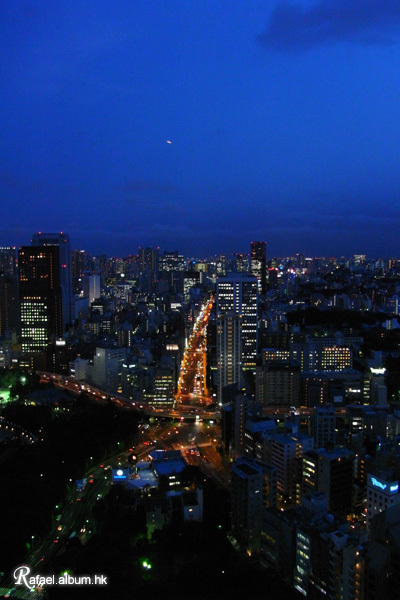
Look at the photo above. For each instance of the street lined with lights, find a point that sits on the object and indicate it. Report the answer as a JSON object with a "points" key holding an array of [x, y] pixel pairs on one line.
{"points": [[192, 385]]}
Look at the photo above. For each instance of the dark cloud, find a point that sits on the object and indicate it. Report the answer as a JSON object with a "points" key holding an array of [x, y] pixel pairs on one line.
{"points": [[293, 27]]}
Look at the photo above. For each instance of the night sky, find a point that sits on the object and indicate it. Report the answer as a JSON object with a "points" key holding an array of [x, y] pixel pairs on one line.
{"points": [[283, 118]]}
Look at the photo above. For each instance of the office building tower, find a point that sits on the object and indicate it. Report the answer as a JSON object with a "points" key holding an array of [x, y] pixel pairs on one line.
{"points": [[332, 473], [240, 262], [256, 430], [164, 387], [336, 479], [238, 293], [94, 288], [149, 268], [282, 455], [61, 240], [247, 503], [382, 572], [107, 368], [240, 409], [149, 259], [220, 265], [78, 266], [40, 297], [173, 261], [258, 264], [228, 350], [272, 278], [191, 280], [278, 384], [323, 426], [9, 304], [8, 261], [173, 266], [317, 356]]}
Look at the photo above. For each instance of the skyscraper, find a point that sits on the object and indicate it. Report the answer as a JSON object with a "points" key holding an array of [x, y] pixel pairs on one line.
{"points": [[8, 262], [62, 241], [258, 263], [253, 490], [9, 308], [40, 297], [238, 293], [228, 350], [78, 266], [247, 503], [149, 265]]}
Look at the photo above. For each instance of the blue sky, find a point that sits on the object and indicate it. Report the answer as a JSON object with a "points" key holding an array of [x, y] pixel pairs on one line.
{"points": [[283, 117]]}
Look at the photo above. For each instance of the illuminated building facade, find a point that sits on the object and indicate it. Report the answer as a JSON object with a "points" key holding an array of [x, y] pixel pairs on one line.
{"points": [[228, 350], [61, 240], [239, 294], [40, 297], [258, 263]]}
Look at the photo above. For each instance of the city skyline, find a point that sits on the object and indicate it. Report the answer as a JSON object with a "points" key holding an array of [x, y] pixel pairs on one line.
{"points": [[230, 257], [202, 126]]}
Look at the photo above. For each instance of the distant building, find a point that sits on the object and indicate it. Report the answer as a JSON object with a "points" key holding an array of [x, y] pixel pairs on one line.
{"points": [[258, 264], [9, 304], [8, 261], [94, 288]]}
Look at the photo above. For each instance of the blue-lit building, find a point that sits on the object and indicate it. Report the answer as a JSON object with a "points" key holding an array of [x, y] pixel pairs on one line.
{"points": [[382, 493]]}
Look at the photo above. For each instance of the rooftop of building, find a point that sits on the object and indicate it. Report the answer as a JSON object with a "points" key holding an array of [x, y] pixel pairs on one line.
{"points": [[243, 467], [261, 425]]}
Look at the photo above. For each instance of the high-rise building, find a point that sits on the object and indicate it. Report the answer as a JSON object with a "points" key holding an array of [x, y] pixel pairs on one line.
{"points": [[247, 503], [40, 297], [61, 240], [173, 261], [173, 266], [283, 453], [332, 473], [78, 266], [164, 387], [258, 263], [228, 350], [9, 304], [8, 261], [323, 426], [240, 262], [278, 384], [94, 288], [220, 265], [107, 368], [238, 293], [149, 267]]}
